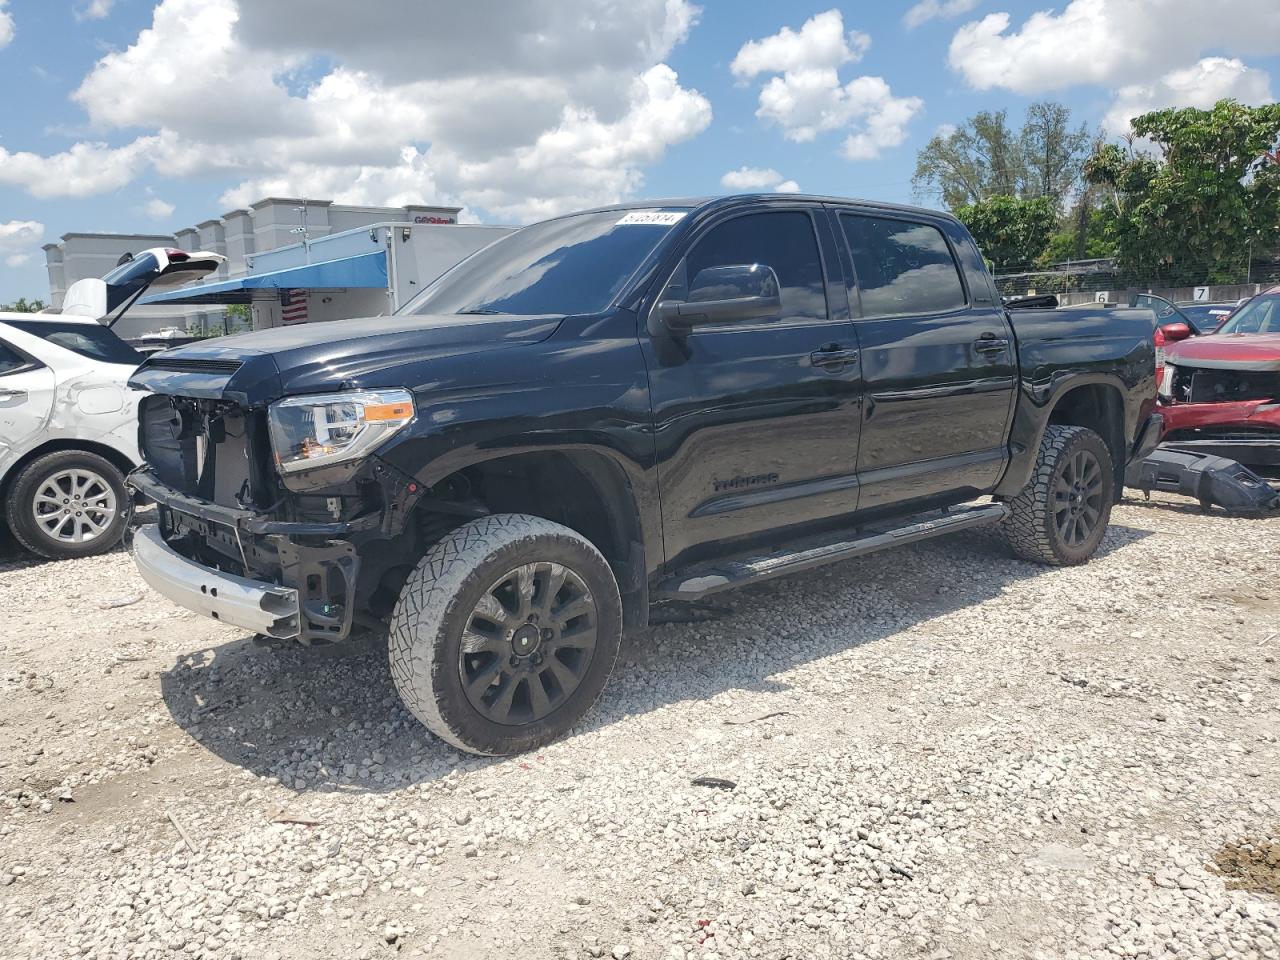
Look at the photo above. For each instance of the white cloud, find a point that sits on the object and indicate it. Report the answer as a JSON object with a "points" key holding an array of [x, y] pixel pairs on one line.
{"points": [[1108, 41], [581, 161], [6, 25], [83, 170], [806, 96], [1201, 85], [96, 10], [158, 209], [18, 238], [323, 99], [821, 42], [758, 178], [927, 10]]}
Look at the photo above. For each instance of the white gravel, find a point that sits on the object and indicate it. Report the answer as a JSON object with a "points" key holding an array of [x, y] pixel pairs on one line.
{"points": [[939, 752]]}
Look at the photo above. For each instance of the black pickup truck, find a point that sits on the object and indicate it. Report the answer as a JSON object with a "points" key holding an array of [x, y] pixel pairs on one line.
{"points": [[640, 403]]}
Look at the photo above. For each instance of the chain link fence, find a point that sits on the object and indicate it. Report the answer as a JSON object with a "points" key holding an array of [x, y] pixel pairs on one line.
{"points": [[1088, 280]]}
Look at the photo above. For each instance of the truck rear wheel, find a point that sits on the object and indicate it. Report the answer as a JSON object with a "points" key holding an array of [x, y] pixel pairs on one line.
{"points": [[505, 633], [68, 504], [1061, 515]]}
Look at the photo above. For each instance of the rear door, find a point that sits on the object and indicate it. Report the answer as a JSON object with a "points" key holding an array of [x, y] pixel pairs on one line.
{"points": [[26, 401], [757, 420], [938, 363]]}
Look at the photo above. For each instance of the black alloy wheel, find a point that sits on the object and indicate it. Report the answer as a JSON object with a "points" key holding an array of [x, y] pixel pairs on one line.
{"points": [[1077, 497], [528, 643]]}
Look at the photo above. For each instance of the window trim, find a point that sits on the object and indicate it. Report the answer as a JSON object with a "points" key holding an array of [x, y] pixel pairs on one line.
{"points": [[32, 363], [860, 317], [699, 233]]}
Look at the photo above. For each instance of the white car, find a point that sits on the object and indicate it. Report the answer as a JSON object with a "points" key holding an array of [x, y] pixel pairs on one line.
{"points": [[68, 420]]}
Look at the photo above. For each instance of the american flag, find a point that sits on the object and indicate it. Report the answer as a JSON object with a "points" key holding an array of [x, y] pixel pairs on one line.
{"points": [[293, 306]]}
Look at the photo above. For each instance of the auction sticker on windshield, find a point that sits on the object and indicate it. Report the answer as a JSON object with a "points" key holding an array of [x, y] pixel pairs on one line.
{"points": [[659, 218]]}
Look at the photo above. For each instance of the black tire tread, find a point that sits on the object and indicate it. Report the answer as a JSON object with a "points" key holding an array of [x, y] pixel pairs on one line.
{"points": [[1025, 528], [15, 505], [427, 602]]}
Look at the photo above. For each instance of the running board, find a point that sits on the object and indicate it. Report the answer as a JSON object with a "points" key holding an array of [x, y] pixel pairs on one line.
{"points": [[723, 575]]}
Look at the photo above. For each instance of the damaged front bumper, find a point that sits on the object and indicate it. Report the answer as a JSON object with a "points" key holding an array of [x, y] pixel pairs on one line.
{"points": [[284, 579], [238, 601], [1247, 431]]}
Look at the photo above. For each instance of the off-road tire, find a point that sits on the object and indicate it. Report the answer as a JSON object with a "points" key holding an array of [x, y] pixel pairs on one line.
{"points": [[437, 601], [1030, 529], [23, 489]]}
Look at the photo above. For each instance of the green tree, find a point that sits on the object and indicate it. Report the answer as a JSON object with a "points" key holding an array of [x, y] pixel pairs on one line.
{"points": [[983, 158], [1191, 211], [1010, 232], [1066, 243], [23, 305], [239, 318], [1052, 153], [980, 159]]}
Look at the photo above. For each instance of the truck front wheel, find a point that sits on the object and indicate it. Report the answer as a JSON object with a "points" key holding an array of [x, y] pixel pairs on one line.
{"points": [[1061, 515], [505, 633]]}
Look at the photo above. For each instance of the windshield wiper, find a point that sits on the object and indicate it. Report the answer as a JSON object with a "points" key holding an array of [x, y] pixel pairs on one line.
{"points": [[479, 312]]}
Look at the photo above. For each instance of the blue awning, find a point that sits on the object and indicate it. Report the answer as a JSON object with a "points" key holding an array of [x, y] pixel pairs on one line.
{"points": [[367, 271]]}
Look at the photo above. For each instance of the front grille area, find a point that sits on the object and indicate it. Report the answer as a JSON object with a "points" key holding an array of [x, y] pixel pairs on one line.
{"points": [[1204, 385], [194, 365], [213, 450]]}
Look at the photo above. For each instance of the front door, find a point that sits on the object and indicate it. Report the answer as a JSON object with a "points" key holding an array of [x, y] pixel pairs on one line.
{"points": [[938, 364], [757, 419]]}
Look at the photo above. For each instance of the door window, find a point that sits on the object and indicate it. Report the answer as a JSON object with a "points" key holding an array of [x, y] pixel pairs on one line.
{"points": [[11, 361], [903, 267], [783, 240]]}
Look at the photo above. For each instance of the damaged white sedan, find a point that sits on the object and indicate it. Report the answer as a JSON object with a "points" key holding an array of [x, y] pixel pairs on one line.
{"points": [[68, 420]]}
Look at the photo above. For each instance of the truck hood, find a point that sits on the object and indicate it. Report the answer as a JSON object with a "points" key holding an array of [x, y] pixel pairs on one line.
{"points": [[254, 369], [1232, 351]]}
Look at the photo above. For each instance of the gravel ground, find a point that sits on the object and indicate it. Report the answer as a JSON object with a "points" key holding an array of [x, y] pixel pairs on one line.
{"points": [[939, 752]]}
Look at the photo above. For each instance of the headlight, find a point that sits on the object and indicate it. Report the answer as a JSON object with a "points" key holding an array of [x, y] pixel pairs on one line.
{"points": [[1164, 388], [310, 432]]}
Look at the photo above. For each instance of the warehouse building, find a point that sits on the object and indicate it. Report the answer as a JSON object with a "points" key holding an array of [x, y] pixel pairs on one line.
{"points": [[239, 235]]}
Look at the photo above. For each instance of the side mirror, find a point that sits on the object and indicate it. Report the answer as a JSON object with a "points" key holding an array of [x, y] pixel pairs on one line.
{"points": [[724, 294], [1173, 332]]}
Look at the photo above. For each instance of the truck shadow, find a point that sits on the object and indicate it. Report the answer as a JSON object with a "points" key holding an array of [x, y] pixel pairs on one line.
{"points": [[329, 719]]}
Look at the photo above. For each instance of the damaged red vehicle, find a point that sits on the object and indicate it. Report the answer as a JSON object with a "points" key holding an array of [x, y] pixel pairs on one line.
{"points": [[1220, 393]]}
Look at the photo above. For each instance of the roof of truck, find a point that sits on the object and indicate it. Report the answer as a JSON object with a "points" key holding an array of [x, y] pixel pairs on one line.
{"points": [[726, 200]]}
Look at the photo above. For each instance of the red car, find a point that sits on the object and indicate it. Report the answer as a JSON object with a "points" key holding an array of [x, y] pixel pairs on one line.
{"points": [[1220, 393]]}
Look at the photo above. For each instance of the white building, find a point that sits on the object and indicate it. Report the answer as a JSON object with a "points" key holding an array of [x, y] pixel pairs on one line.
{"points": [[239, 235]]}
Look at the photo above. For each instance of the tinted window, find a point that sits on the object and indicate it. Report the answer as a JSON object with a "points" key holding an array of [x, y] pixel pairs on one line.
{"points": [[1259, 315], [90, 340], [902, 267], [784, 241], [1205, 317], [571, 265], [11, 360]]}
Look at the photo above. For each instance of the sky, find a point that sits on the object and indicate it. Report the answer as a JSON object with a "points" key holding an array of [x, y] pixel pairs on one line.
{"points": [[144, 116]]}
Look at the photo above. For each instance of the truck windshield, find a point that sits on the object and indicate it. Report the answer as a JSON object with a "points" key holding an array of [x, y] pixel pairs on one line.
{"points": [[570, 265], [90, 340]]}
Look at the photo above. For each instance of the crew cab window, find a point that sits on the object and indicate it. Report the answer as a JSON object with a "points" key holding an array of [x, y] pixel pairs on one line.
{"points": [[783, 240], [902, 267], [11, 360]]}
